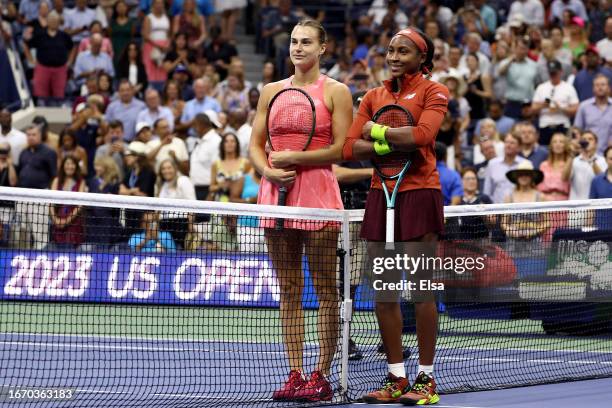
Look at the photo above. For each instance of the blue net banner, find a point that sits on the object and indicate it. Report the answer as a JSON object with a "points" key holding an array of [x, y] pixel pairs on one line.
{"points": [[165, 279]]}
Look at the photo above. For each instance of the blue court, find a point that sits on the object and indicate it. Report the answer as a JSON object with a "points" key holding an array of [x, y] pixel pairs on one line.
{"points": [[146, 372]]}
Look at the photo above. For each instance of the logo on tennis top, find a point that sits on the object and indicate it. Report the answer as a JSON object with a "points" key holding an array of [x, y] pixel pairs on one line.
{"points": [[410, 96], [441, 95]]}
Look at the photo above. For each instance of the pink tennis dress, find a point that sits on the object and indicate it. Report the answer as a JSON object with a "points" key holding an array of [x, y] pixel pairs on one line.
{"points": [[315, 186]]}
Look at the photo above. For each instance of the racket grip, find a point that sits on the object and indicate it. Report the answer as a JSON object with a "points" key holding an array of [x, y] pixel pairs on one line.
{"points": [[282, 200], [390, 230]]}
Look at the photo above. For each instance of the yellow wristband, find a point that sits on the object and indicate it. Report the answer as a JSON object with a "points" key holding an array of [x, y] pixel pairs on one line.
{"points": [[378, 132], [382, 148]]}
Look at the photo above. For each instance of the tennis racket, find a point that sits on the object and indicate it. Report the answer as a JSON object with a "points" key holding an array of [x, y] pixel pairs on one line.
{"points": [[392, 167], [290, 123]]}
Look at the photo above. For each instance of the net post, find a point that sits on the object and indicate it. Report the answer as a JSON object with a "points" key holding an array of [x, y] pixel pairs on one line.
{"points": [[347, 303]]}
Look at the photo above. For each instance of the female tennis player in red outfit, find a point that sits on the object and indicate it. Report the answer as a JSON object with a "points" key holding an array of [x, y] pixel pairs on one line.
{"points": [[311, 183], [418, 207]]}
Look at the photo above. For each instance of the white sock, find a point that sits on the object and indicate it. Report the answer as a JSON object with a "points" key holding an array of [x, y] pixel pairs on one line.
{"points": [[427, 369], [397, 370]]}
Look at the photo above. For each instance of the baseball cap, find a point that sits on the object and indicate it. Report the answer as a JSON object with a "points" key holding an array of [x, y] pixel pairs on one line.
{"points": [[180, 68], [554, 66], [593, 49], [80, 107], [517, 20], [213, 117], [578, 21], [142, 125]]}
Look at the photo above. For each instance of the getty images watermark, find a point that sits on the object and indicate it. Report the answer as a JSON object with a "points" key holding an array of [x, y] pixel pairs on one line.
{"points": [[401, 272]]}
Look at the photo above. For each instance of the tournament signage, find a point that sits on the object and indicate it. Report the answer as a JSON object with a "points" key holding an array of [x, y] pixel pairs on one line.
{"points": [[178, 278]]}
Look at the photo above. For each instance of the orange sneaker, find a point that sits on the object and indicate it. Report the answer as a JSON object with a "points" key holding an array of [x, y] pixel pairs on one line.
{"points": [[391, 391], [423, 392]]}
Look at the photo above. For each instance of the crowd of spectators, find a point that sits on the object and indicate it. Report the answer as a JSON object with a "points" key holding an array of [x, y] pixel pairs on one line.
{"points": [[161, 105]]}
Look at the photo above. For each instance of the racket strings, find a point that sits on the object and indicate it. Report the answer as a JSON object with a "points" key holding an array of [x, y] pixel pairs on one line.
{"points": [[291, 120], [390, 165]]}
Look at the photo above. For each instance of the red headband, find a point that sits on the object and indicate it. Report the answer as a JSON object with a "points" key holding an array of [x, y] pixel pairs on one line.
{"points": [[415, 38]]}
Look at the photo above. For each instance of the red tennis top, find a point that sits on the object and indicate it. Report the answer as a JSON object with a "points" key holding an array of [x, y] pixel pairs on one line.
{"points": [[428, 102]]}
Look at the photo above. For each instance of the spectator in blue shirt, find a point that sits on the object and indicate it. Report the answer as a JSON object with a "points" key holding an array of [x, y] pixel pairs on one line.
{"points": [[450, 180], [93, 61], [583, 82], [125, 109], [28, 9], [503, 123], [530, 149], [202, 102], [365, 40], [152, 239], [205, 7], [595, 114], [601, 186]]}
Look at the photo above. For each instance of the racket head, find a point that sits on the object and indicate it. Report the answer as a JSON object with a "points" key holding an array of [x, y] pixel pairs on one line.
{"points": [[290, 120], [391, 165]]}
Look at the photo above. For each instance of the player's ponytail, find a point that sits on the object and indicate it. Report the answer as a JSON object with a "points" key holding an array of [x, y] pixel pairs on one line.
{"points": [[428, 65]]}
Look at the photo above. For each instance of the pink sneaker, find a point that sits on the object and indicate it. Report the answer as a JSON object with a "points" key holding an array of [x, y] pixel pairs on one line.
{"points": [[287, 392], [317, 389]]}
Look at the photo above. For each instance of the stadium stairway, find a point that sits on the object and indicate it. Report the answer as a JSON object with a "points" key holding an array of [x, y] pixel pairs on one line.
{"points": [[253, 62]]}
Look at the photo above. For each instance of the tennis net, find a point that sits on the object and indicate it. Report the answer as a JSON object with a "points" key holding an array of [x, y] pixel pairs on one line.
{"points": [[134, 302], [143, 302], [538, 311]]}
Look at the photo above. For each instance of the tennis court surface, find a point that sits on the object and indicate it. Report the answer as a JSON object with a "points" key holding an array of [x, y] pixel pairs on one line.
{"points": [[199, 327]]}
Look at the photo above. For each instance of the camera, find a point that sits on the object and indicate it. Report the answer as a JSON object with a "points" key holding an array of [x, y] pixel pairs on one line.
{"points": [[583, 144], [4, 152]]}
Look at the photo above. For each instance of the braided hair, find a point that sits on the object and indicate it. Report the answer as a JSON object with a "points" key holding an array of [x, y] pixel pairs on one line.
{"points": [[428, 65]]}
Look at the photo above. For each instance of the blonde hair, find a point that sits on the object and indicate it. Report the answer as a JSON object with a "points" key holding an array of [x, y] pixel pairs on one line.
{"points": [[552, 158], [160, 178], [488, 121], [111, 169]]}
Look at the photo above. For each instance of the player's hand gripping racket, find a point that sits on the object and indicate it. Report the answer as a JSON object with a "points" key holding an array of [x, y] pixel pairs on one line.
{"points": [[392, 167], [290, 124]]}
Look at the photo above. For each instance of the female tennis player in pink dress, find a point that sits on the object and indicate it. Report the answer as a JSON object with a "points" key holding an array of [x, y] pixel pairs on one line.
{"points": [[311, 183]]}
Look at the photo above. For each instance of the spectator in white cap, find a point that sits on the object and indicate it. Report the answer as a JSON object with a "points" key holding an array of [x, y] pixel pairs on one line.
{"points": [[205, 151], [125, 109], [144, 133]]}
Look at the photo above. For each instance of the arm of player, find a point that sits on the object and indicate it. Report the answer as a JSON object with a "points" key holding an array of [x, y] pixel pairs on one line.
{"points": [[342, 115], [257, 144], [355, 148], [347, 175], [409, 138]]}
